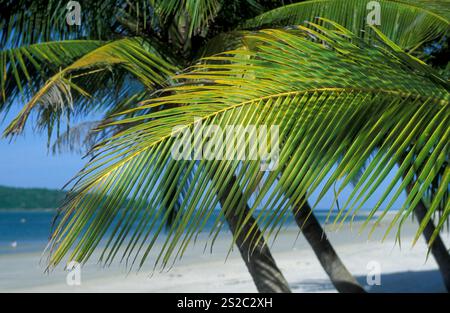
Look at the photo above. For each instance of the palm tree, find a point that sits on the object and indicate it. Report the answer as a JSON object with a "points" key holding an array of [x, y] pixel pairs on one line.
{"points": [[131, 58], [411, 39], [400, 95], [423, 214], [413, 100], [145, 57]]}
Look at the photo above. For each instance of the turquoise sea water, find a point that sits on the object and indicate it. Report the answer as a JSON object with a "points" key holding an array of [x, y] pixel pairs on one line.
{"points": [[28, 231]]}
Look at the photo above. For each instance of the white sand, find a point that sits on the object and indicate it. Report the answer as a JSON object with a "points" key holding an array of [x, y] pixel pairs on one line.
{"points": [[402, 270]]}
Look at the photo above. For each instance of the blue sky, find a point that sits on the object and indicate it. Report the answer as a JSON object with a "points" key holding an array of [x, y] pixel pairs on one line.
{"points": [[25, 162]]}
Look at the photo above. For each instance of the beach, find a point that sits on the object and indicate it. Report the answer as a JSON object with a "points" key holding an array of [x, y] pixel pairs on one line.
{"points": [[402, 268]]}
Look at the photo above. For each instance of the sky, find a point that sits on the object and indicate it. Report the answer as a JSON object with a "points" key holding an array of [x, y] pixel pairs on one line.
{"points": [[25, 162]]}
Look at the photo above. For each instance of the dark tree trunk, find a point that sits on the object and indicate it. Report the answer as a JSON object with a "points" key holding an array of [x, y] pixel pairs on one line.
{"points": [[341, 278], [260, 263], [438, 249]]}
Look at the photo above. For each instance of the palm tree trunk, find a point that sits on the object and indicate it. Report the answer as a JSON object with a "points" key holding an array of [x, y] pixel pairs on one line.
{"points": [[438, 249], [260, 263], [341, 278]]}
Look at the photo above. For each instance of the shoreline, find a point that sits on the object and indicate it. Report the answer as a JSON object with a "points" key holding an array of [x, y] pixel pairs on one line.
{"points": [[23, 219], [403, 269]]}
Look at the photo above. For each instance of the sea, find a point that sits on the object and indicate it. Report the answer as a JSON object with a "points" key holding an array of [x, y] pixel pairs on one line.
{"points": [[27, 231]]}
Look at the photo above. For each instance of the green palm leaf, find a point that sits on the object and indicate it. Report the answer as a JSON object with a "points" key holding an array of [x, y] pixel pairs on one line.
{"points": [[134, 55], [408, 23], [334, 98], [23, 69]]}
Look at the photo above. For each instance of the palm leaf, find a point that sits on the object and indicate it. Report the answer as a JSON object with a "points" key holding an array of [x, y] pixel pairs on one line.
{"points": [[23, 69], [333, 96], [134, 55], [408, 23]]}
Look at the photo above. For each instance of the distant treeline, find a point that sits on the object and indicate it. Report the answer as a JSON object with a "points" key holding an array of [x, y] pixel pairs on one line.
{"points": [[36, 198], [30, 198]]}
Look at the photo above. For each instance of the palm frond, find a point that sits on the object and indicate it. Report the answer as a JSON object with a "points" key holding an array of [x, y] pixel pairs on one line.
{"points": [[408, 23], [333, 96], [134, 55], [23, 70]]}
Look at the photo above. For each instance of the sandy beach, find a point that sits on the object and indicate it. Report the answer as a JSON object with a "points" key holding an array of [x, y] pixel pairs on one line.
{"points": [[403, 269]]}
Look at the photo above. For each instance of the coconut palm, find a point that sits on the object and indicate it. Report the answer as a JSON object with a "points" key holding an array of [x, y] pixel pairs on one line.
{"points": [[147, 60], [411, 37], [121, 43]]}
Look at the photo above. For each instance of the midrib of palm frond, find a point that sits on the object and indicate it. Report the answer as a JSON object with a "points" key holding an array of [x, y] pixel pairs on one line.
{"points": [[396, 93]]}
